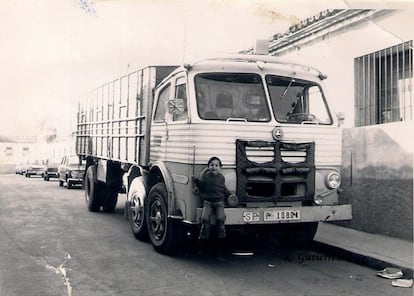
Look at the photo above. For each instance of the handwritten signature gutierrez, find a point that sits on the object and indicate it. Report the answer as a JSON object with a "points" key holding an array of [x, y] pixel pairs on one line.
{"points": [[86, 5], [315, 257]]}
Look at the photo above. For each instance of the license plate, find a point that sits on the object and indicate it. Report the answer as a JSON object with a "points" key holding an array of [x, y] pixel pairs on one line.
{"points": [[251, 216], [281, 215]]}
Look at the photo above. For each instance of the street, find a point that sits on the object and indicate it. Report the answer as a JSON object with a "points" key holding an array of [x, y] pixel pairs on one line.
{"points": [[51, 245]]}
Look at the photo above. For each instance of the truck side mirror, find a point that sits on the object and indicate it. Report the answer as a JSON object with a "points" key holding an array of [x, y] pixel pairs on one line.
{"points": [[176, 106]]}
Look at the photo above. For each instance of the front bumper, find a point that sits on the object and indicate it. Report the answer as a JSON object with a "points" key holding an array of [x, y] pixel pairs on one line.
{"points": [[234, 216], [34, 172], [75, 180], [52, 174]]}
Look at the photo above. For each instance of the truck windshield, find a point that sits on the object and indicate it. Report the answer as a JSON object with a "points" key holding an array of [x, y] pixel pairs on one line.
{"points": [[231, 96], [297, 101]]}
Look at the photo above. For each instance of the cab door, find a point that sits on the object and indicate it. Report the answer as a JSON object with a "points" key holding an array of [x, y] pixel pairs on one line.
{"points": [[177, 122], [170, 116]]}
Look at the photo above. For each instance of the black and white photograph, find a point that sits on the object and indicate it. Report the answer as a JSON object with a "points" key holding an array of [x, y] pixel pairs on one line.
{"points": [[206, 147]]}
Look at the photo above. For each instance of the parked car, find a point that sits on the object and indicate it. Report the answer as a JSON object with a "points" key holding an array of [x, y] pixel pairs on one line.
{"points": [[34, 168], [70, 171], [51, 169], [19, 168]]}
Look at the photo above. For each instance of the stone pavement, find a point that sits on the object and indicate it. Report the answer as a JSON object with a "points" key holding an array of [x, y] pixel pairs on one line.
{"points": [[376, 251]]}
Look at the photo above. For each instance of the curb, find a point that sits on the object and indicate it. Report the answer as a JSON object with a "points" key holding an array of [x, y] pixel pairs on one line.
{"points": [[370, 261]]}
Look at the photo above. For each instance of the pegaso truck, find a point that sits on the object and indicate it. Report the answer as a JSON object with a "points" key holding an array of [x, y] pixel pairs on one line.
{"points": [[148, 133]]}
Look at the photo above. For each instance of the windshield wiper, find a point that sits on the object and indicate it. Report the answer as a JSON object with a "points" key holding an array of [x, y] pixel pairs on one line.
{"points": [[287, 87]]}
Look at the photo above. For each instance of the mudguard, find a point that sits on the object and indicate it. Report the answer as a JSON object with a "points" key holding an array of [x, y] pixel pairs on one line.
{"points": [[158, 170]]}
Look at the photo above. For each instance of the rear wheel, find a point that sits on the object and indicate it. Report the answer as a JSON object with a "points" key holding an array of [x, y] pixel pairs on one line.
{"points": [[136, 214], [162, 231], [92, 190]]}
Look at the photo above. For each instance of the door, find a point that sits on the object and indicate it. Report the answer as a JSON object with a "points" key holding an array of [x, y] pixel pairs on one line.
{"points": [[170, 116]]}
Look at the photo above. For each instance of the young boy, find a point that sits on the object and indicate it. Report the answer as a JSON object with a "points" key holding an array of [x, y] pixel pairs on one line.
{"points": [[213, 191]]}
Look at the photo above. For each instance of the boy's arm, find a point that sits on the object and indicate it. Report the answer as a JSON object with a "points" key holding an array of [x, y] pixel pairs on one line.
{"points": [[199, 183], [226, 190], [231, 198]]}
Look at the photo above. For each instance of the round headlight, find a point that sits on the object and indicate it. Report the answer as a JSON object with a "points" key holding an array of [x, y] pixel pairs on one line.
{"points": [[333, 180]]}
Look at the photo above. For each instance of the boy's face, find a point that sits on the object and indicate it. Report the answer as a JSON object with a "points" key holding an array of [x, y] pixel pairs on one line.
{"points": [[214, 167]]}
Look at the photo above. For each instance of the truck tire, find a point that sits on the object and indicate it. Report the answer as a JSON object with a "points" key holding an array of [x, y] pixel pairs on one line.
{"points": [[162, 231], [110, 199], [60, 181], [136, 216], [92, 190]]}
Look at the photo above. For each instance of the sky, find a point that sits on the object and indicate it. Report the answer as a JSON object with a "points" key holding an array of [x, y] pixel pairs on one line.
{"points": [[55, 51]]}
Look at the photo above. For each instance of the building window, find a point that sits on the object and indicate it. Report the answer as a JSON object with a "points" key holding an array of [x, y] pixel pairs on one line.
{"points": [[25, 151], [384, 86], [8, 151]]}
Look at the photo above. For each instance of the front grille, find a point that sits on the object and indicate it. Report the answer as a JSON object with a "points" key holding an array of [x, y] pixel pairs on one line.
{"points": [[294, 156], [259, 154], [275, 171]]}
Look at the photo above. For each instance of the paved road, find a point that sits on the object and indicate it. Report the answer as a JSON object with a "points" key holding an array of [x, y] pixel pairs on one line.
{"points": [[51, 245]]}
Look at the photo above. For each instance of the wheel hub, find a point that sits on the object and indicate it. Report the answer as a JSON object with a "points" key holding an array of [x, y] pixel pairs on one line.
{"points": [[136, 210], [157, 220]]}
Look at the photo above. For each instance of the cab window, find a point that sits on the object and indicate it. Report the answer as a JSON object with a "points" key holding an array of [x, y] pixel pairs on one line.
{"points": [[161, 104], [180, 100]]}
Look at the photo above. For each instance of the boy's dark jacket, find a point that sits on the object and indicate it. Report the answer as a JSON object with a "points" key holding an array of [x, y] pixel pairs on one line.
{"points": [[212, 187]]}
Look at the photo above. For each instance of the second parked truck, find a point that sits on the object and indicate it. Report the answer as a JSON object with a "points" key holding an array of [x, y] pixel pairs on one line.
{"points": [[151, 132]]}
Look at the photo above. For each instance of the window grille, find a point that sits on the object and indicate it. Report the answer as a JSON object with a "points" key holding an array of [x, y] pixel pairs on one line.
{"points": [[384, 85]]}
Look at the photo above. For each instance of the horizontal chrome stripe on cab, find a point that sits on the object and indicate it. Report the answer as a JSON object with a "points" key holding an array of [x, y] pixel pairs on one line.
{"points": [[219, 139]]}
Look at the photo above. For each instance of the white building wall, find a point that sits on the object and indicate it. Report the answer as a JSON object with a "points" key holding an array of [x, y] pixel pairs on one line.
{"points": [[333, 53]]}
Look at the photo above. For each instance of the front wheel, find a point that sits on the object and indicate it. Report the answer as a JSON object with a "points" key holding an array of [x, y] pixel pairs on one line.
{"points": [[161, 229], [92, 190]]}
